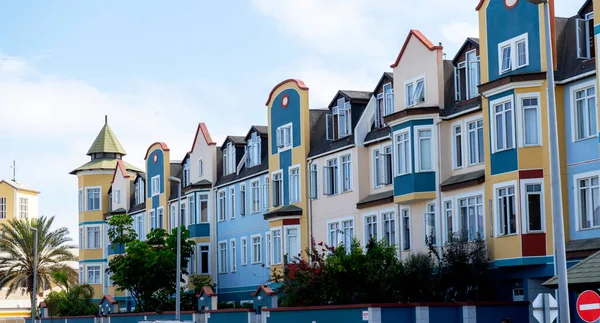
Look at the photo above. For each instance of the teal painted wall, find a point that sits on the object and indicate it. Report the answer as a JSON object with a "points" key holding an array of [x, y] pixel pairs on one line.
{"points": [[281, 116], [351, 315], [232, 317], [507, 160], [153, 170]]}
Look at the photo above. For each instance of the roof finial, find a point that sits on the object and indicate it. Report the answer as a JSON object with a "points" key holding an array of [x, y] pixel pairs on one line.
{"points": [[105, 119], [14, 167]]}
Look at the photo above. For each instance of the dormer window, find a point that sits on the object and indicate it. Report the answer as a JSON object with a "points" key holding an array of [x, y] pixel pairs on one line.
{"points": [[384, 105], [415, 91], [466, 77], [284, 137], [339, 122], [585, 37], [513, 54], [139, 192], [253, 151], [228, 159], [186, 173]]}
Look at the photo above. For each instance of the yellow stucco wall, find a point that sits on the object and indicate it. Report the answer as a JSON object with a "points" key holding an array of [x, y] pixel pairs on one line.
{"points": [[9, 193]]}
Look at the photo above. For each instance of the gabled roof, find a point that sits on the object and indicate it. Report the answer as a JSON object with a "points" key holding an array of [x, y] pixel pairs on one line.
{"points": [[106, 142], [351, 96], [426, 42], [163, 146], [580, 11], [207, 291], [298, 82], [120, 167], [385, 76], [19, 186], [266, 289], [262, 131], [202, 128], [469, 40], [235, 140]]}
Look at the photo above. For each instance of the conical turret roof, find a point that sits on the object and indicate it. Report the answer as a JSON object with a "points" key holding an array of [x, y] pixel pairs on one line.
{"points": [[106, 142]]}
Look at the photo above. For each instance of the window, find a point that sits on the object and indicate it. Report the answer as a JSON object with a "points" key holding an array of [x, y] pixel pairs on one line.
{"points": [[79, 202], [588, 207], [382, 166], [370, 228], [80, 238], [140, 226], [475, 129], [284, 137], [3, 207], [268, 248], [503, 126], [341, 232], [228, 159], [295, 185], [160, 217], [457, 146], [23, 207], [339, 122], [152, 219], [93, 198], [203, 201], [242, 199], [313, 181], [346, 173], [156, 185], [277, 244], [204, 259], [330, 177], [200, 167], [348, 230], [255, 196], [94, 274], [186, 173], [405, 229], [530, 122], [232, 203], [585, 37], [118, 195], [384, 105], [139, 191], [471, 217], [93, 237], [173, 217], [233, 255], [192, 210], [448, 220], [513, 54], [507, 217], [81, 276], [244, 255], [389, 228], [533, 206], [334, 234], [430, 231], [404, 155], [415, 92], [473, 73], [256, 249], [466, 77], [585, 113], [425, 162], [222, 206], [253, 150], [222, 257], [292, 244], [277, 189], [266, 193], [460, 81]]}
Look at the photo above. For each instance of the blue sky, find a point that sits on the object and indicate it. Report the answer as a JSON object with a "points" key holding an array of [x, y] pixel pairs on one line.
{"points": [[157, 68]]}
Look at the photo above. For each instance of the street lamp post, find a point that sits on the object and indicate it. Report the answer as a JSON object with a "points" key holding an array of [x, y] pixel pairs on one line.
{"points": [[178, 223], [555, 186], [35, 261]]}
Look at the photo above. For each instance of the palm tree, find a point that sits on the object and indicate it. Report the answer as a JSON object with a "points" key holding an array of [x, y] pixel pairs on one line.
{"points": [[17, 251]]}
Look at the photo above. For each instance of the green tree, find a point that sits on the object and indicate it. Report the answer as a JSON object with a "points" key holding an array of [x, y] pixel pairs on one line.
{"points": [[121, 230], [17, 255], [148, 268], [78, 300]]}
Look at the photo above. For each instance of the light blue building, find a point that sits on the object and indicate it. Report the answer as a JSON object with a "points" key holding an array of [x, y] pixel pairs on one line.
{"points": [[242, 198]]}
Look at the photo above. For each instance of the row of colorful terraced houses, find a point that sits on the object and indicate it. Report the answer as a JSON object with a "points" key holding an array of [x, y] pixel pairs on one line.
{"points": [[438, 145]]}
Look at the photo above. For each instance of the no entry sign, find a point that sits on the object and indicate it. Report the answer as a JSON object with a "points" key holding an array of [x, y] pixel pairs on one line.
{"points": [[588, 306]]}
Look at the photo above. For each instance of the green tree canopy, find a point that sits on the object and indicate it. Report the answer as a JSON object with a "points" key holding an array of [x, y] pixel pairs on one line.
{"points": [[78, 300]]}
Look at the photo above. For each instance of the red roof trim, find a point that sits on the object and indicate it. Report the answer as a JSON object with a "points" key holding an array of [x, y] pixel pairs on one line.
{"points": [[121, 167], [206, 290], [163, 146], [265, 289], [109, 298], [421, 38], [300, 84], [479, 5], [202, 127]]}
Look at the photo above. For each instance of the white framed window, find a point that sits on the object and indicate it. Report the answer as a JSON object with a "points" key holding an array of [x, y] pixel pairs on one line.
{"points": [[506, 208], [256, 248], [530, 119], [457, 146], [403, 151], [200, 167], [81, 238], [406, 237], [81, 275], [340, 231], [93, 237], [229, 165], [346, 173], [470, 216], [152, 219], [348, 232], [370, 228], [448, 220], [277, 256], [155, 185], [388, 220], [284, 137], [160, 217], [204, 258], [93, 198], [314, 191], [232, 203], [268, 248], [292, 242], [186, 173], [118, 195], [278, 189], [584, 111], [222, 257], [384, 105], [140, 228], [382, 166], [203, 204], [80, 204], [430, 223], [513, 53], [294, 175], [330, 177], [475, 141], [472, 73], [94, 274], [23, 207], [139, 191], [255, 195], [253, 150], [222, 206], [414, 91], [503, 125], [585, 36], [173, 217], [265, 192], [532, 204], [192, 210], [424, 149], [242, 199], [233, 255], [334, 238], [339, 122], [587, 197]]}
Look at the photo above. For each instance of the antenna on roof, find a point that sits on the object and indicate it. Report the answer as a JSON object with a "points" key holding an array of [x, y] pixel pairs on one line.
{"points": [[14, 167], [105, 119]]}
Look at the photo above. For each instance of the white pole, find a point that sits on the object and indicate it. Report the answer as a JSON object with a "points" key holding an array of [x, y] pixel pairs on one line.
{"points": [[35, 260], [178, 274]]}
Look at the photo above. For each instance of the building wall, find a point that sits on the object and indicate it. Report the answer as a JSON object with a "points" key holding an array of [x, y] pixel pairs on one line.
{"points": [[9, 193], [122, 184], [447, 146], [158, 164]]}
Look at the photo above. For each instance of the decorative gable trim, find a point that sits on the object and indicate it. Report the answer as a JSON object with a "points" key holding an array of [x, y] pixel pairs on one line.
{"points": [[300, 84], [162, 145], [121, 167], [426, 42], [202, 128], [266, 289]]}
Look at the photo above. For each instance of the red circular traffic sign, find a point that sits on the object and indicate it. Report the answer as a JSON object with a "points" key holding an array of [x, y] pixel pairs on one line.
{"points": [[588, 306]]}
